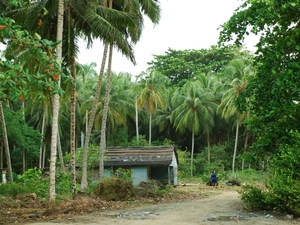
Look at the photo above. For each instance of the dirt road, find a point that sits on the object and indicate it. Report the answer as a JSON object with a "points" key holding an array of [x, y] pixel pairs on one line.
{"points": [[223, 208]]}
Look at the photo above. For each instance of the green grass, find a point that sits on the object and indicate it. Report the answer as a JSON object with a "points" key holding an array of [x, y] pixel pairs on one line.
{"points": [[251, 177], [248, 176]]}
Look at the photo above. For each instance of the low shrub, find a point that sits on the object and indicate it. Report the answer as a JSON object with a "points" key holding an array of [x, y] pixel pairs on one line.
{"points": [[63, 183], [285, 183], [284, 188], [254, 198], [124, 174], [13, 189], [233, 180], [32, 179]]}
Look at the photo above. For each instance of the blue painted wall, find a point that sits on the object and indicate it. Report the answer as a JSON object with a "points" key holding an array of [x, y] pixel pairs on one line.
{"points": [[140, 174]]}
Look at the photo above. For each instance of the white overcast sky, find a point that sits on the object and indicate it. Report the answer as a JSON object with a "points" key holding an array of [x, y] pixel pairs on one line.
{"points": [[184, 24]]}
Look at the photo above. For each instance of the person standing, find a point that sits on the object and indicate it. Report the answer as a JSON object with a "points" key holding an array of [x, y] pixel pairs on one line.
{"points": [[213, 179]]}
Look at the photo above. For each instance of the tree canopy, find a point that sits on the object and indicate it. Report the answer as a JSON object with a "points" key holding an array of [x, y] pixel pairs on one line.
{"points": [[182, 65], [272, 96]]}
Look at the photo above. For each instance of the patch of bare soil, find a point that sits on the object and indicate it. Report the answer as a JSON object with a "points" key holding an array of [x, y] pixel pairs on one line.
{"points": [[187, 204]]}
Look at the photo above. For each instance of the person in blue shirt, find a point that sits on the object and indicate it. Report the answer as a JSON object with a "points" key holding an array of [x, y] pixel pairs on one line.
{"points": [[213, 179]]}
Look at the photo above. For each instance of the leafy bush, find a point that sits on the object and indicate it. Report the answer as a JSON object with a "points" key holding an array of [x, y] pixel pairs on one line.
{"points": [[184, 167], [34, 182], [32, 179], [142, 141], [285, 184], [13, 189], [63, 183], [206, 178], [284, 188], [91, 188], [254, 198], [93, 158], [124, 174], [220, 160]]}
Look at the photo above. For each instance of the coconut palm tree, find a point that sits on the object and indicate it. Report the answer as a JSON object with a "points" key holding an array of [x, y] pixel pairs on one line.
{"points": [[119, 107], [211, 85], [153, 93], [162, 118], [151, 9], [54, 133], [195, 109], [236, 81], [85, 17]]}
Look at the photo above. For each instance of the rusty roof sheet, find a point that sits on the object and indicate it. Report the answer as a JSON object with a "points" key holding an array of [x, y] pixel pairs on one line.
{"points": [[147, 155]]}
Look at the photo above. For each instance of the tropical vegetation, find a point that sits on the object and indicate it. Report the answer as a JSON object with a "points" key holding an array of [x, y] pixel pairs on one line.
{"points": [[224, 108]]}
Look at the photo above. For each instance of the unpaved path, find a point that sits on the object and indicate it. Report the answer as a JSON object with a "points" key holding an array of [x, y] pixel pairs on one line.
{"points": [[222, 209]]}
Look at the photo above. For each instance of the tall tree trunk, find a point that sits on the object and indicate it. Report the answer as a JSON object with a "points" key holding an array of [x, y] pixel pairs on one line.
{"points": [[192, 152], [24, 160], [245, 147], [1, 156], [60, 155], [73, 106], [55, 103], [150, 122], [44, 155], [6, 145], [84, 183], [23, 149], [137, 121], [235, 145], [104, 116], [208, 148], [42, 141]]}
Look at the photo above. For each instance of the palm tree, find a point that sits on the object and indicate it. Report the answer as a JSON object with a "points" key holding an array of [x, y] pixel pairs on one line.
{"points": [[104, 116], [55, 107], [153, 93], [162, 118], [237, 73], [210, 84], [195, 111], [89, 18], [119, 105], [134, 30]]}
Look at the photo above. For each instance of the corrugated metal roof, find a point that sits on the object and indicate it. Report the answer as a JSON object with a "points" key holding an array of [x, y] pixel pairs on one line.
{"points": [[147, 155]]}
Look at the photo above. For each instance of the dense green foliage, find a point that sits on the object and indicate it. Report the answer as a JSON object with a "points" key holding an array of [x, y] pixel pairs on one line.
{"points": [[219, 162], [34, 181], [284, 184], [19, 78], [22, 136], [199, 100], [271, 96], [13, 189], [183, 65]]}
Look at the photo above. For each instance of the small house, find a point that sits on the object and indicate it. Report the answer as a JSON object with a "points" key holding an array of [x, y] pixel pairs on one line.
{"points": [[147, 163]]}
